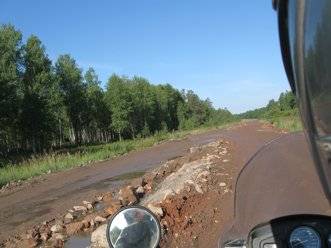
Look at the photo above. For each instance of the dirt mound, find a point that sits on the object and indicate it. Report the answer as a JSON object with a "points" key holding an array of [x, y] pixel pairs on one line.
{"points": [[184, 193], [192, 211]]}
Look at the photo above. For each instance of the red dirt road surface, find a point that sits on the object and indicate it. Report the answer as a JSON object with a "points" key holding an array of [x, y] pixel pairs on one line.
{"points": [[51, 195]]}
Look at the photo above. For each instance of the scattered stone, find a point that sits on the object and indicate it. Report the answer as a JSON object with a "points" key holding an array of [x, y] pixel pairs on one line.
{"points": [[86, 202], [127, 197], [198, 188], [86, 224], [73, 228], [57, 228], [99, 219], [78, 214], [68, 218], [204, 180], [58, 242], [168, 193], [156, 210], [203, 174], [58, 236], [45, 236], [112, 209], [30, 243], [143, 182], [148, 187], [89, 206], [98, 237], [140, 190], [80, 208], [99, 198], [225, 160], [108, 198], [222, 184], [33, 234]]}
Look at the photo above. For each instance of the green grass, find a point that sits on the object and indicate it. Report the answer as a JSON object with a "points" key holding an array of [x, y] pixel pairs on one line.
{"points": [[87, 154], [288, 123]]}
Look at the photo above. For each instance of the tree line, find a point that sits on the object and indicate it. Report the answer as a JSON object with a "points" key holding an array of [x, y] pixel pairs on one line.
{"points": [[46, 105], [284, 106]]}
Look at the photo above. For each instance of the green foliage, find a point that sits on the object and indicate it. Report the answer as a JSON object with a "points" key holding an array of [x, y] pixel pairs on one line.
{"points": [[283, 112], [82, 155], [120, 102], [73, 91], [47, 107], [10, 89], [39, 107], [194, 112], [98, 119]]}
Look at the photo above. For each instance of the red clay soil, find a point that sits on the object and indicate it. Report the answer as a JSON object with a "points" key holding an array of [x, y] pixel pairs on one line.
{"points": [[191, 219], [197, 220], [51, 195]]}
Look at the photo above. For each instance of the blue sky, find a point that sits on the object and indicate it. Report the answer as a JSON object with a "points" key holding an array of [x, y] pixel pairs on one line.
{"points": [[225, 50]]}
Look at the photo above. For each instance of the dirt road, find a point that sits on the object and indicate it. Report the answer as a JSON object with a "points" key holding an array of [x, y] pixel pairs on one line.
{"points": [[52, 194]]}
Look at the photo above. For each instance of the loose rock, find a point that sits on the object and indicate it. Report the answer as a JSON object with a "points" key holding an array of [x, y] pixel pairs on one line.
{"points": [[57, 243], [86, 202], [198, 188], [127, 197], [30, 243], [99, 219], [73, 228], [89, 206], [57, 228], [108, 198], [45, 236], [140, 190], [80, 208], [98, 237], [112, 209], [68, 218], [156, 210]]}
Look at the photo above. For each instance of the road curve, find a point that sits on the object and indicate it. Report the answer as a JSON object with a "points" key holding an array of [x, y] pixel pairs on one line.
{"points": [[52, 194]]}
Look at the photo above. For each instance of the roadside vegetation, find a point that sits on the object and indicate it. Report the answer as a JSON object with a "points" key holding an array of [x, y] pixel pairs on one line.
{"points": [[54, 115], [283, 113], [83, 155]]}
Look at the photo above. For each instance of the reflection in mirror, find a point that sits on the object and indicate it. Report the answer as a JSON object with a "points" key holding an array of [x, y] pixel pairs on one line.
{"points": [[133, 227]]}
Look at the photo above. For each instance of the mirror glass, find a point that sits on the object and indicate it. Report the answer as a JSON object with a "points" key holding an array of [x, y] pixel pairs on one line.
{"points": [[133, 227]]}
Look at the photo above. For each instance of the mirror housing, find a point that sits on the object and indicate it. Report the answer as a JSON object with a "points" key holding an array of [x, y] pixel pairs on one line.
{"points": [[133, 226]]}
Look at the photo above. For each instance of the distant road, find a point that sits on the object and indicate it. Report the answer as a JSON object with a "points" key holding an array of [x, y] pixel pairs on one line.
{"points": [[53, 194]]}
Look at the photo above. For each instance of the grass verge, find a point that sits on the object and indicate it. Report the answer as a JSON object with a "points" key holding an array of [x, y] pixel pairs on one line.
{"points": [[289, 123], [86, 155]]}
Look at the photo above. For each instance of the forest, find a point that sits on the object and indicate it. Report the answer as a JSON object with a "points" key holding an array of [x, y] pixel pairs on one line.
{"points": [[282, 112], [46, 105]]}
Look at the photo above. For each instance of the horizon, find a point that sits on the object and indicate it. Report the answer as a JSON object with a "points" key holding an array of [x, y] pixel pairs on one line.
{"points": [[182, 46]]}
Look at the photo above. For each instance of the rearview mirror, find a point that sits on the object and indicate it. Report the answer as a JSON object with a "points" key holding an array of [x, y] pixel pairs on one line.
{"points": [[133, 226]]}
